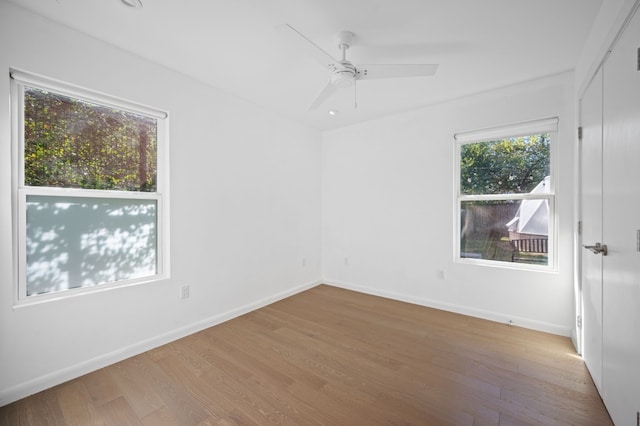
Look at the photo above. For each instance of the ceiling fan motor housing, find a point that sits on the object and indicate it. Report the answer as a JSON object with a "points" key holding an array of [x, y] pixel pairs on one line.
{"points": [[344, 75]]}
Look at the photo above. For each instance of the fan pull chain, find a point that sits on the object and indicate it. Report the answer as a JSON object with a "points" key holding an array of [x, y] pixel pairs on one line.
{"points": [[355, 94]]}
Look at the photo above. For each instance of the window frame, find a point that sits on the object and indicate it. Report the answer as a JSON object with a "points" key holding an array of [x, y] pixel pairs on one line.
{"points": [[527, 128], [20, 191]]}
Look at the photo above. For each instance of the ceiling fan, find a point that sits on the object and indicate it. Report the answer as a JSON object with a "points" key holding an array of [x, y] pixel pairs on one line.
{"points": [[343, 73]]}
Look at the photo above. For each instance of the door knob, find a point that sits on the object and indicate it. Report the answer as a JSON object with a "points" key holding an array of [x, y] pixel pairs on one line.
{"points": [[597, 248]]}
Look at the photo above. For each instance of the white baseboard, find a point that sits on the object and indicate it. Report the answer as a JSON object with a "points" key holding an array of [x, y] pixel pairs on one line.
{"points": [[459, 309], [55, 378]]}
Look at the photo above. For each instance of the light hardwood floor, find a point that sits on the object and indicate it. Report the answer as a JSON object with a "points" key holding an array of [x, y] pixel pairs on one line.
{"points": [[332, 356]]}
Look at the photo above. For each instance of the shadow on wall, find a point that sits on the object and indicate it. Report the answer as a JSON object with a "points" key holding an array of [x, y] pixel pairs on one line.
{"points": [[80, 242]]}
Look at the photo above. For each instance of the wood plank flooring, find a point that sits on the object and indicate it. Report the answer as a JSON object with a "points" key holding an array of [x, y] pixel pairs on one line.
{"points": [[334, 357]]}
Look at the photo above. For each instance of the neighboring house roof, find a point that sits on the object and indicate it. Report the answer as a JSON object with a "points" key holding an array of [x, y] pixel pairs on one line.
{"points": [[532, 216]]}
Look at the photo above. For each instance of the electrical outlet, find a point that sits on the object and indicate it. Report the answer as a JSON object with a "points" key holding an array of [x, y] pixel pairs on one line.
{"points": [[304, 262], [346, 261], [184, 292], [440, 274]]}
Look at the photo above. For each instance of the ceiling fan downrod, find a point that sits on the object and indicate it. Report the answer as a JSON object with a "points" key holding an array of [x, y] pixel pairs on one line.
{"points": [[344, 75]]}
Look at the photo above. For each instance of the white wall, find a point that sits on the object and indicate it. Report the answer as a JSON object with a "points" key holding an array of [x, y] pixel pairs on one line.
{"points": [[389, 209], [245, 211]]}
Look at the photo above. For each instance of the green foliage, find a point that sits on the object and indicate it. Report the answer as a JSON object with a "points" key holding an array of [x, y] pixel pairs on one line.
{"points": [[70, 143], [513, 165]]}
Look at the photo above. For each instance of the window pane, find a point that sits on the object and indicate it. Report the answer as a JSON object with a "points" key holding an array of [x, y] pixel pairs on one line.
{"points": [[507, 166], [80, 242], [508, 231], [71, 143]]}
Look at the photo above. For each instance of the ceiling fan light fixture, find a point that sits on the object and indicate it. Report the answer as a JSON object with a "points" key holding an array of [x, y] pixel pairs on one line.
{"points": [[342, 80], [344, 76], [134, 4]]}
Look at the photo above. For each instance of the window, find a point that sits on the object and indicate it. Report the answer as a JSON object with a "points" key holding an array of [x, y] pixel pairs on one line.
{"points": [[89, 190], [506, 195]]}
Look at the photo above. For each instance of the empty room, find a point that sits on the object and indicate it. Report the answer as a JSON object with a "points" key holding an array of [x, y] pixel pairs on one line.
{"points": [[319, 212]]}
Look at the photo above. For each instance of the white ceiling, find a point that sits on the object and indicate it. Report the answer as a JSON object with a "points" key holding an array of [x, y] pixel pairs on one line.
{"points": [[234, 45]]}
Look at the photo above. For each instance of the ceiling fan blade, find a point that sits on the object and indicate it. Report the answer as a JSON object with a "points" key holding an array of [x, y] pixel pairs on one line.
{"points": [[328, 90], [369, 71], [304, 44]]}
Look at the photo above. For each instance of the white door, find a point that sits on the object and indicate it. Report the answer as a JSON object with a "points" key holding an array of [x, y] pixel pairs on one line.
{"points": [[621, 214], [591, 216]]}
